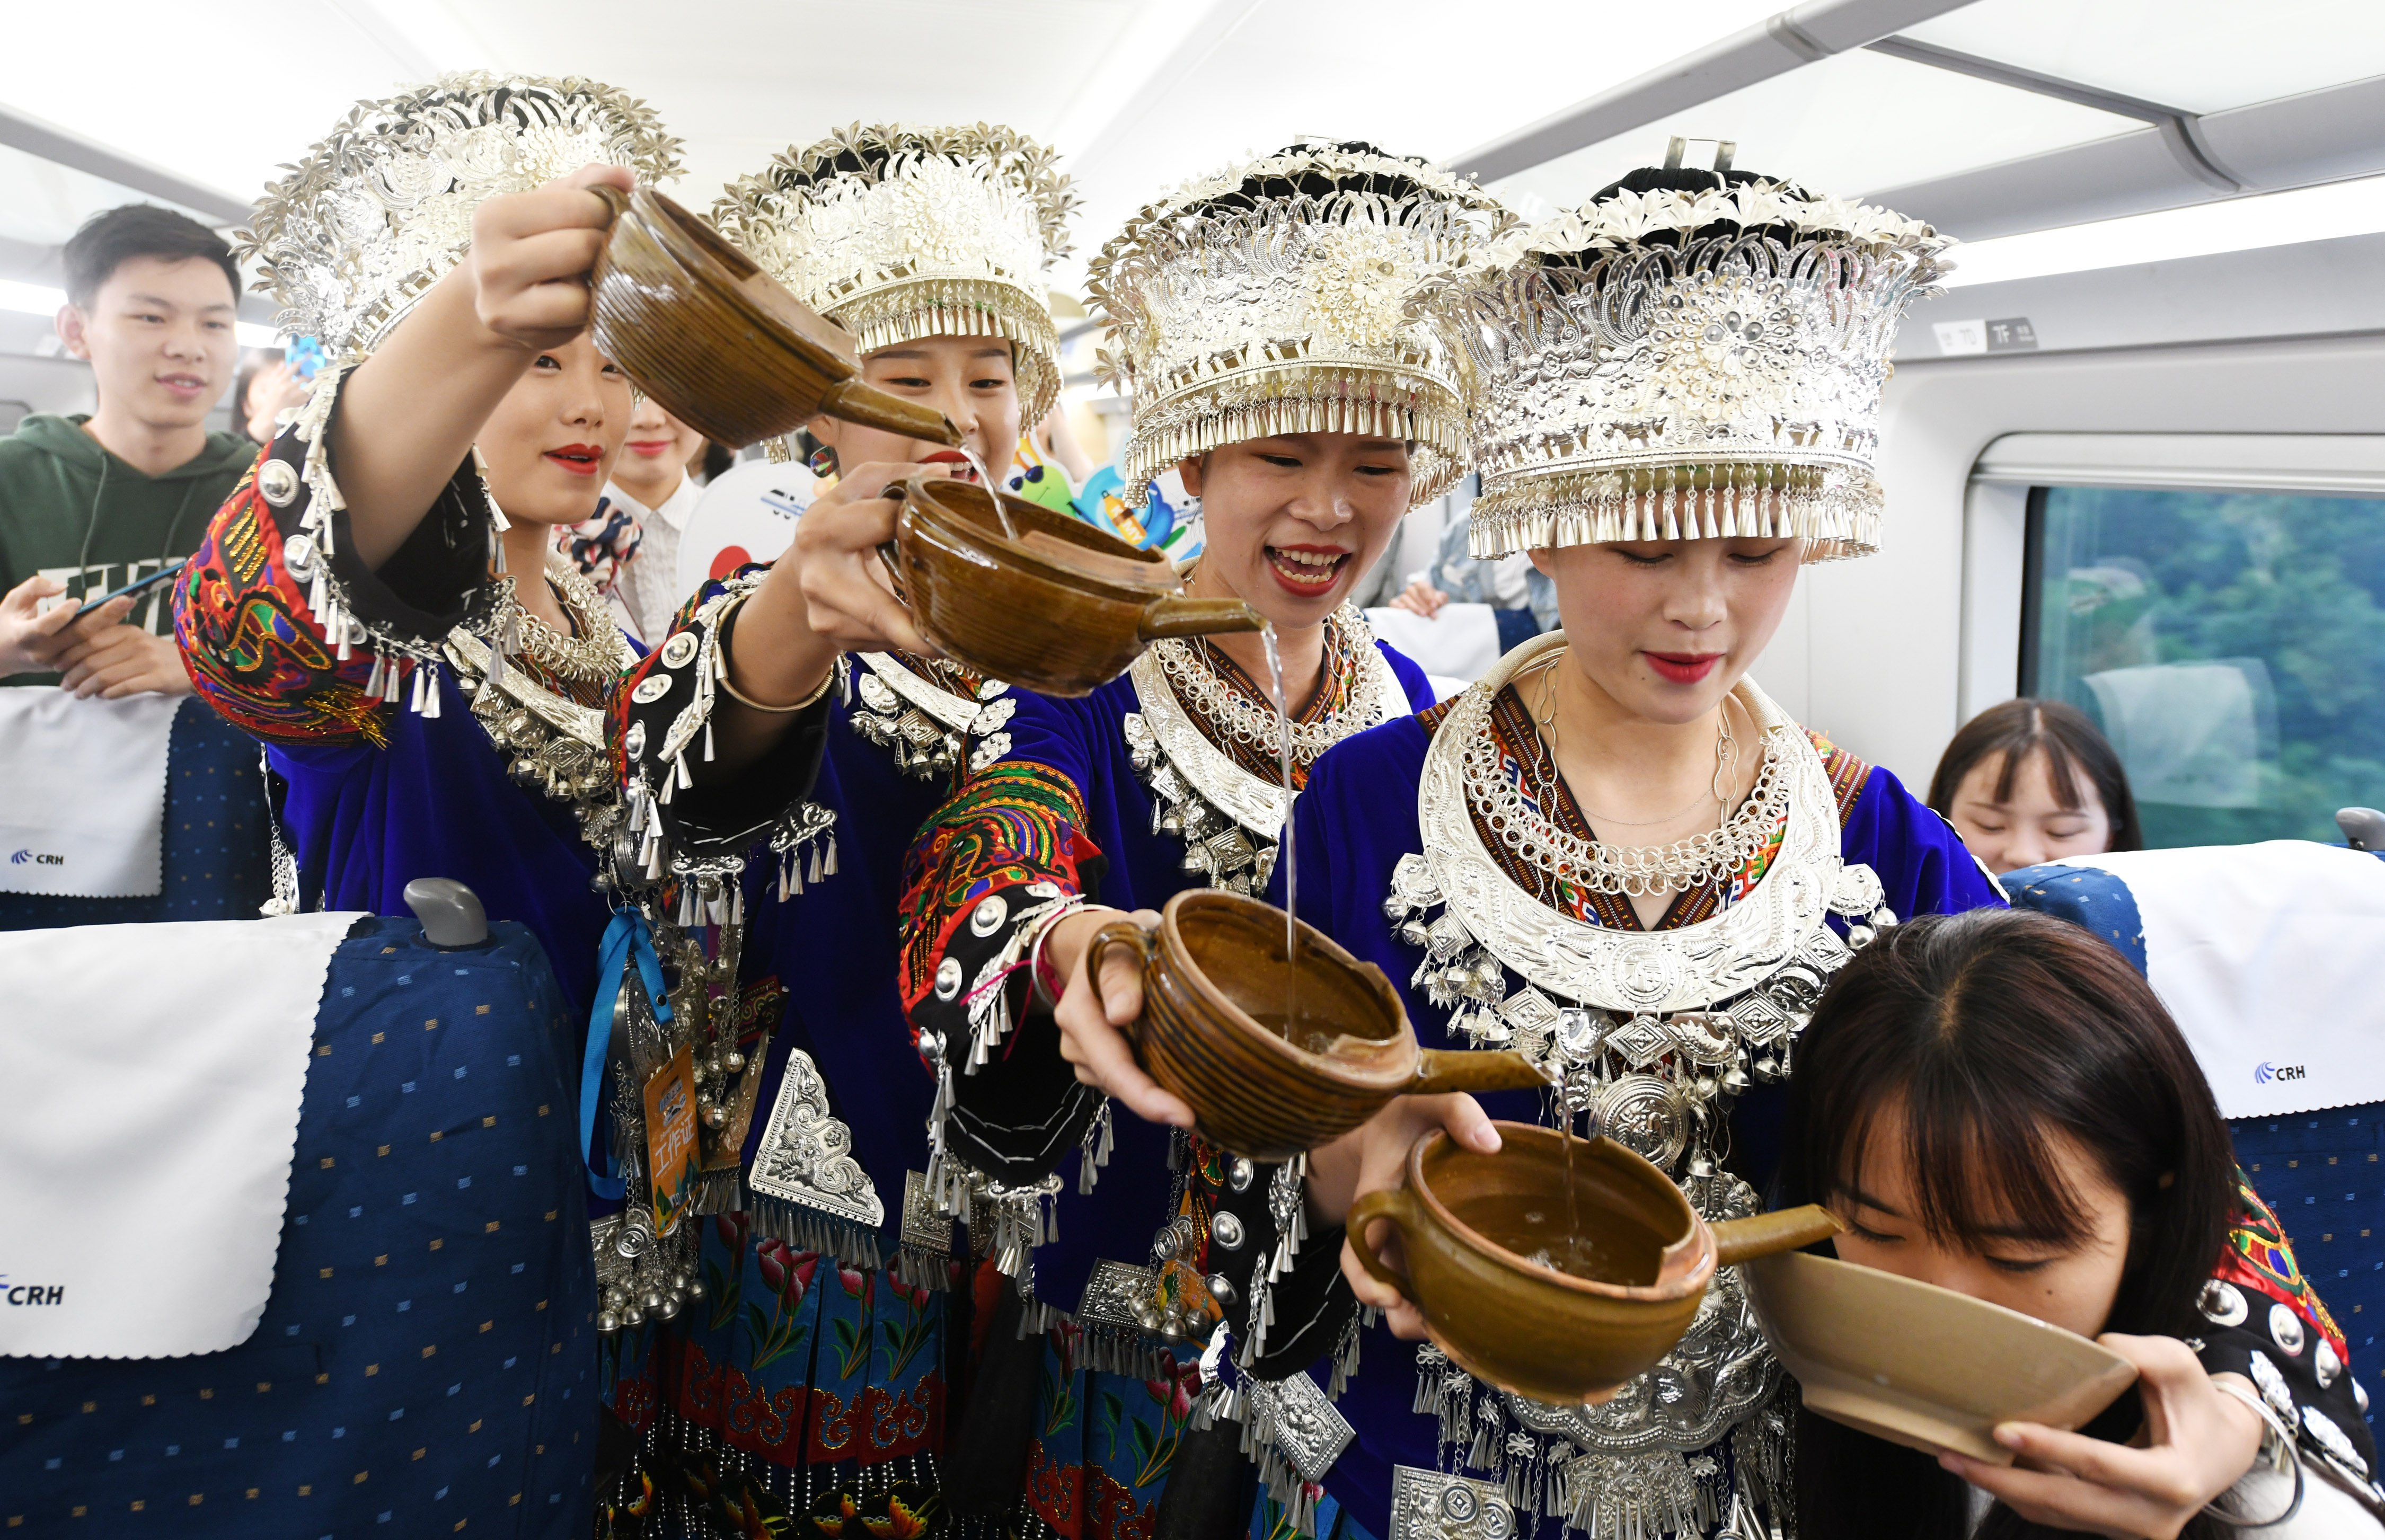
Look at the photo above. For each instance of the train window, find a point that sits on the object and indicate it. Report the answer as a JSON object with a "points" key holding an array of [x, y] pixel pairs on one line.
{"points": [[2231, 643]]}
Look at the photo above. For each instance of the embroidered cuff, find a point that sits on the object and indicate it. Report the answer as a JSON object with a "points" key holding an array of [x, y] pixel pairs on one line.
{"points": [[441, 577], [699, 832], [2299, 1375]]}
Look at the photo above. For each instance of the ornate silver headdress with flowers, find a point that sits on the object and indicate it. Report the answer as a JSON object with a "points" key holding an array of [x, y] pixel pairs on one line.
{"points": [[380, 211], [1665, 363], [1288, 295], [898, 234]]}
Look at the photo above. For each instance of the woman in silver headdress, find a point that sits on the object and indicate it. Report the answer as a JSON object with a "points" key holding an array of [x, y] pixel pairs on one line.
{"points": [[813, 1375], [1615, 853], [1267, 320], [428, 715]]}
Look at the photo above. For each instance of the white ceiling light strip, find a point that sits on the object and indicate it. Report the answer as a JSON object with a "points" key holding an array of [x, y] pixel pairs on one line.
{"points": [[2201, 229]]}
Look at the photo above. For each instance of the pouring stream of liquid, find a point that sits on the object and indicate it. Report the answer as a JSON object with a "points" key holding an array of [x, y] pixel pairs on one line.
{"points": [[985, 479], [1284, 852]]}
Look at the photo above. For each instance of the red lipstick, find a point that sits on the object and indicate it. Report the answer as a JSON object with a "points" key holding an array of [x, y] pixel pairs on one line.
{"points": [[579, 459], [1683, 668]]}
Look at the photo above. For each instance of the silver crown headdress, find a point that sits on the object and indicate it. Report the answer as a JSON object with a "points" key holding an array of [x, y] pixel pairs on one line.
{"points": [[382, 208], [1668, 364], [1288, 295], [898, 234]]}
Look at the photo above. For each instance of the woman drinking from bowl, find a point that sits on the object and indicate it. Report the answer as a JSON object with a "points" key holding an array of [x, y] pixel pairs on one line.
{"points": [[1996, 1103], [1265, 319], [441, 695], [1616, 854]]}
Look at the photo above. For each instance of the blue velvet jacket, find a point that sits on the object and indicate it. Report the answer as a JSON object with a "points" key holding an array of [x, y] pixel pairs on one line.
{"points": [[1356, 820], [1063, 805]]}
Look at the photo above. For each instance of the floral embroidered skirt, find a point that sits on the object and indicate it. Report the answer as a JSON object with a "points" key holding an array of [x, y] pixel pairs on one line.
{"points": [[796, 1389]]}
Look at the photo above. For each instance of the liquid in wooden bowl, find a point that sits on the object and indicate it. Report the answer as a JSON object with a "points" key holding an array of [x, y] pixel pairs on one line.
{"points": [[1274, 1059], [1558, 1268]]}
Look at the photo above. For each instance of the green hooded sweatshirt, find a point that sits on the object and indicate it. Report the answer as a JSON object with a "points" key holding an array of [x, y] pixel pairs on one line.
{"points": [[69, 508]]}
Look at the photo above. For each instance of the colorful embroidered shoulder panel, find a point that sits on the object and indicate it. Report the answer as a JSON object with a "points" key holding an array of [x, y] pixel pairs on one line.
{"points": [[1525, 761], [1014, 823], [2259, 1257], [251, 645]]}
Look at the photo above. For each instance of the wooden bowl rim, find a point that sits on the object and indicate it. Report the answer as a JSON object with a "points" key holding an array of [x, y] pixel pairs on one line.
{"points": [[1982, 1311], [1392, 1079], [1689, 1285], [959, 530], [671, 228]]}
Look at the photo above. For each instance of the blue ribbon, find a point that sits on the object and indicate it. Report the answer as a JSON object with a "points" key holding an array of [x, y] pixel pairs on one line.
{"points": [[625, 940]]}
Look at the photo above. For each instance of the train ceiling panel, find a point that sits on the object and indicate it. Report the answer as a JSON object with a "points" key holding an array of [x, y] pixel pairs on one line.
{"points": [[2198, 56], [1990, 119], [1847, 124]]}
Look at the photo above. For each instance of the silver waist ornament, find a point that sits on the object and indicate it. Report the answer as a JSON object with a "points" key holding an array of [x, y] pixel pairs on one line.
{"points": [[1653, 1033], [1231, 821]]}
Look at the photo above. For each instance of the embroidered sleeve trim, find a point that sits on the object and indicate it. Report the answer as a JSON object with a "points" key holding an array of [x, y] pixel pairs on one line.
{"points": [[700, 835], [289, 636], [1016, 823], [1002, 862]]}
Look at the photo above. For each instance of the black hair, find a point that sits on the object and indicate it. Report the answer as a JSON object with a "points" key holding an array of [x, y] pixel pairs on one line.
{"points": [[253, 362], [1316, 184], [1680, 179], [714, 461], [113, 237], [1994, 1034], [2074, 752]]}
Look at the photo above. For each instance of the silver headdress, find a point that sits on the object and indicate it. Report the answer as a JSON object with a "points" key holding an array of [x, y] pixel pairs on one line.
{"points": [[898, 234], [380, 211], [1664, 364], [1288, 295]]}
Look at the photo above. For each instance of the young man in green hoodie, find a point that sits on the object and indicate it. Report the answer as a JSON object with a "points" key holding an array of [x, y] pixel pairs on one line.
{"points": [[88, 504]]}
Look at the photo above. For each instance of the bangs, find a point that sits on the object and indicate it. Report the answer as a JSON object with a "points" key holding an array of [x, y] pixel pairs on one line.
{"points": [[1979, 1169], [2060, 770]]}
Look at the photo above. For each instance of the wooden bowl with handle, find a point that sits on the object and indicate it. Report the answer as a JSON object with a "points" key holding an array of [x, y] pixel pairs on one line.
{"points": [[1050, 601], [1274, 1060], [1484, 1237], [697, 325]]}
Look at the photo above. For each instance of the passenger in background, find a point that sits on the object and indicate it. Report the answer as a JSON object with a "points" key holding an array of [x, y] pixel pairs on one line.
{"points": [[1522, 599], [1996, 1103], [89, 503], [2032, 781], [268, 384], [630, 548]]}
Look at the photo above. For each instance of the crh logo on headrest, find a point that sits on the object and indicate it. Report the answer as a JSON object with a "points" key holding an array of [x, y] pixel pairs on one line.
{"points": [[2268, 1072], [39, 858], [31, 1294]]}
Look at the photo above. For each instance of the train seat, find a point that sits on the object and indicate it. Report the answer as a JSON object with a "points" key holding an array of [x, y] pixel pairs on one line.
{"points": [[2266, 955], [426, 1356]]}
